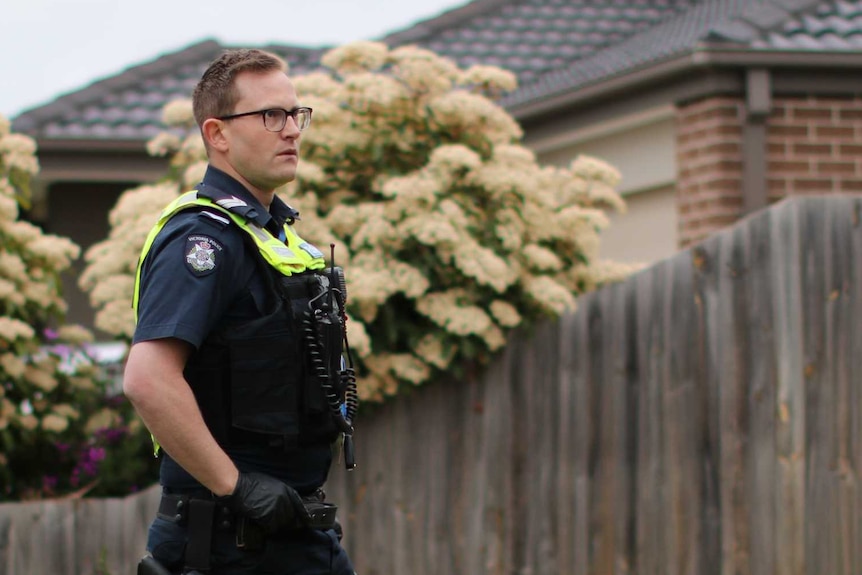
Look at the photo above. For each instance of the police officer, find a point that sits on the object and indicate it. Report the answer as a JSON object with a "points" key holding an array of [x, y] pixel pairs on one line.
{"points": [[216, 369]]}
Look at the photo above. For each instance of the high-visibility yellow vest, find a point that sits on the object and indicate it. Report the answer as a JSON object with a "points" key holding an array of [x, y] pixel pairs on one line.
{"points": [[292, 256]]}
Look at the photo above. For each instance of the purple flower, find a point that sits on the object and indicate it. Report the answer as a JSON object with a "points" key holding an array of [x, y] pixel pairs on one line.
{"points": [[62, 350], [115, 435], [110, 434], [94, 454], [61, 447], [50, 334]]}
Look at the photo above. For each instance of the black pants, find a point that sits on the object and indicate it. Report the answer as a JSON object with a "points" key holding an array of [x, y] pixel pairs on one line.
{"points": [[307, 552]]}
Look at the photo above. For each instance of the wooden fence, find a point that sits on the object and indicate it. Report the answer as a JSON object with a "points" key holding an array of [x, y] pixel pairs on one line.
{"points": [[701, 418], [75, 536]]}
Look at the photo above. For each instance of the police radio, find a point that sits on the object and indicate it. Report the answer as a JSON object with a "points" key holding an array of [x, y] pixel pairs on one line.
{"points": [[325, 329]]}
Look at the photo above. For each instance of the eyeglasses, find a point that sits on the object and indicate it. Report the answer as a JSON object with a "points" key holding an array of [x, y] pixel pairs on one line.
{"points": [[274, 119]]}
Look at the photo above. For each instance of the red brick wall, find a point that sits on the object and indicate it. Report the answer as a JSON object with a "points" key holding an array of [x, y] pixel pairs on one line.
{"points": [[814, 146], [709, 164]]}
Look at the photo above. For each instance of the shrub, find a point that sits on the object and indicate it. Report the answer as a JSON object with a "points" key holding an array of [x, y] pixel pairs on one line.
{"points": [[61, 431], [450, 232]]}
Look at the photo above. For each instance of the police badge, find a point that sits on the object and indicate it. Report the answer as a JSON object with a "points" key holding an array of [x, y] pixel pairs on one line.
{"points": [[202, 254]]}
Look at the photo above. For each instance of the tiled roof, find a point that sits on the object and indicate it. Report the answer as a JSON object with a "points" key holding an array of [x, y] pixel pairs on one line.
{"points": [[832, 26], [554, 46], [128, 106], [810, 25], [532, 37]]}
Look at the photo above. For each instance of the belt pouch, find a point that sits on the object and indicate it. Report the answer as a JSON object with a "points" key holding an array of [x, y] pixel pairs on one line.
{"points": [[322, 514]]}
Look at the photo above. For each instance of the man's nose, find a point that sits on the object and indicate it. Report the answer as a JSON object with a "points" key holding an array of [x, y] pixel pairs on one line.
{"points": [[291, 128]]}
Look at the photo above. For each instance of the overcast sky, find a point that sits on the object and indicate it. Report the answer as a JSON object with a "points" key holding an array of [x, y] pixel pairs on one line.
{"points": [[50, 47]]}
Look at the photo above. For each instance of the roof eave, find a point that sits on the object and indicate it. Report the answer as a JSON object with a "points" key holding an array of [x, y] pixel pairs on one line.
{"points": [[90, 145], [696, 59]]}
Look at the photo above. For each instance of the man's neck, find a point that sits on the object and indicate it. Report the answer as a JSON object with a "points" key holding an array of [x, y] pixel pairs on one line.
{"points": [[263, 196]]}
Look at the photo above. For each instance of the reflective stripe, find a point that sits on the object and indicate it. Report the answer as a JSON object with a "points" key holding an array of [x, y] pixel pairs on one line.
{"points": [[231, 203], [261, 234], [211, 215], [285, 252]]}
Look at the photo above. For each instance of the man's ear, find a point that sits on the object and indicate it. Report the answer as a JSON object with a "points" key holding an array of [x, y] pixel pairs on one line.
{"points": [[212, 131]]}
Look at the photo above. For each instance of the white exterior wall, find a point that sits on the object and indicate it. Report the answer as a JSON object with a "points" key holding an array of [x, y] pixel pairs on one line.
{"points": [[647, 232], [643, 148]]}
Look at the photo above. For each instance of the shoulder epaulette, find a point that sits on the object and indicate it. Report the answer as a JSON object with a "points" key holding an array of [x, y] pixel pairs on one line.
{"points": [[227, 201]]}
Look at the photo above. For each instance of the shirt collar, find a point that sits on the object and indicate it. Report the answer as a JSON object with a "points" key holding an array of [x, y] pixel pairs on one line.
{"points": [[278, 212]]}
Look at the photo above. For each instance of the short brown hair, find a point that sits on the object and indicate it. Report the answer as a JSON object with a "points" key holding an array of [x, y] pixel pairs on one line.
{"points": [[215, 95]]}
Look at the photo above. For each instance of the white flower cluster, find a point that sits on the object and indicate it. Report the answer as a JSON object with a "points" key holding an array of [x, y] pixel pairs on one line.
{"points": [[12, 329], [599, 179], [74, 334], [425, 73], [112, 263], [163, 144], [178, 113], [369, 93], [319, 84], [356, 57], [471, 116], [432, 351], [18, 153], [30, 260], [489, 80]]}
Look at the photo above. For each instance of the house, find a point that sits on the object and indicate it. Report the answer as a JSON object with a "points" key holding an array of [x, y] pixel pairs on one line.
{"points": [[711, 109]]}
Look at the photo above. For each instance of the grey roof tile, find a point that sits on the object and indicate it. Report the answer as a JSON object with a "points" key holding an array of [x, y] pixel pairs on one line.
{"points": [[734, 31], [553, 46], [829, 26], [765, 16], [848, 9]]}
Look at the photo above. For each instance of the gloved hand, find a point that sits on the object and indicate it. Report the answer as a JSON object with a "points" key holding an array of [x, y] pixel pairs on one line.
{"points": [[266, 500]]}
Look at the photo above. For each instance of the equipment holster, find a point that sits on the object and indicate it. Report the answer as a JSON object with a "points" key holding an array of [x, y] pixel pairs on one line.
{"points": [[251, 536]]}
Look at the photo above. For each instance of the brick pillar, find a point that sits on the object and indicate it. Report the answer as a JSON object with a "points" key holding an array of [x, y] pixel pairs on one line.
{"points": [[709, 159]]}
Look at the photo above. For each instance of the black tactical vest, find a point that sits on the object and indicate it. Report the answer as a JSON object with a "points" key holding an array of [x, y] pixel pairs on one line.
{"points": [[266, 380]]}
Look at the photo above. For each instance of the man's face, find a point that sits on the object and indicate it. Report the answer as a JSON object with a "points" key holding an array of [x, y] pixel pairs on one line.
{"points": [[264, 159]]}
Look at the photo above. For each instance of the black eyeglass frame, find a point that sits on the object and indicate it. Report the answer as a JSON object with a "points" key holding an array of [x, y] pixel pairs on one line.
{"points": [[287, 114]]}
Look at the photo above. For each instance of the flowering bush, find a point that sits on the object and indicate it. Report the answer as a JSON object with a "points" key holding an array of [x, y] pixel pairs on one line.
{"points": [[60, 432], [450, 232]]}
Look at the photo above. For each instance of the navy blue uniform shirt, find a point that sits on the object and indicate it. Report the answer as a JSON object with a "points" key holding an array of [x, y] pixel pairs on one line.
{"points": [[180, 297], [199, 276]]}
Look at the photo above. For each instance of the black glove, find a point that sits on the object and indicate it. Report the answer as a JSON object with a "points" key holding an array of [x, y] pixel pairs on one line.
{"points": [[266, 500]]}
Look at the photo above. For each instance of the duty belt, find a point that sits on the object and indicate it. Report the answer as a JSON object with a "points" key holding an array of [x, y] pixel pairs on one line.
{"points": [[200, 514], [175, 507]]}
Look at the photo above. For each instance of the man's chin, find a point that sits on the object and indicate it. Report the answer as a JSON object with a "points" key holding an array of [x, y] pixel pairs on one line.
{"points": [[281, 182]]}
